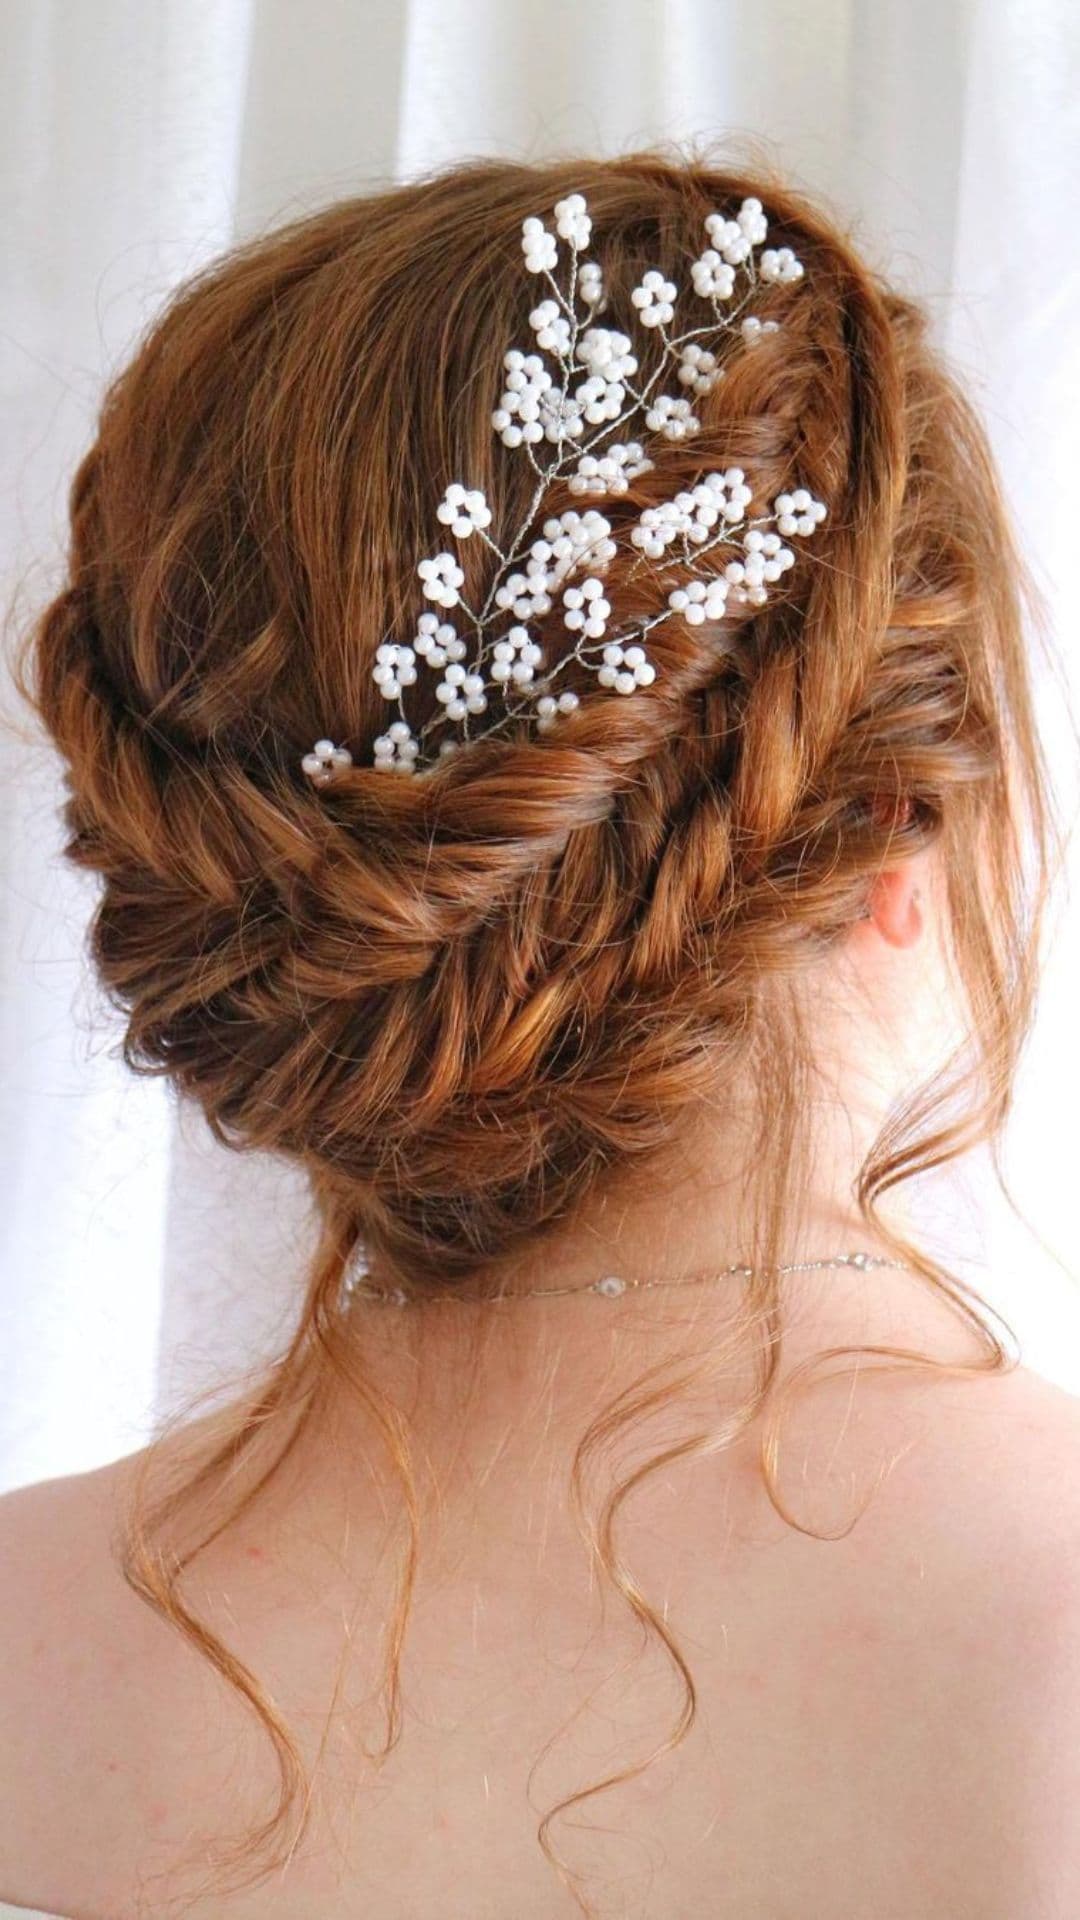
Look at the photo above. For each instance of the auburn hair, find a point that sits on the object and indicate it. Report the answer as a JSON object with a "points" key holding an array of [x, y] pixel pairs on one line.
{"points": [[461, 1001]]}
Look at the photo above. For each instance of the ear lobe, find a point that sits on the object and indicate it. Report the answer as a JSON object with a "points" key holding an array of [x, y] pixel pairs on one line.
{"points": [[895, 907]]}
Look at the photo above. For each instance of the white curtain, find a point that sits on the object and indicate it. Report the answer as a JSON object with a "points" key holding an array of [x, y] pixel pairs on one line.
{"points": [[140, 137]]}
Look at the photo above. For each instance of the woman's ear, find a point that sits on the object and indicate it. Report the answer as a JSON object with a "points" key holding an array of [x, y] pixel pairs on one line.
{"points": [[895, 906]]}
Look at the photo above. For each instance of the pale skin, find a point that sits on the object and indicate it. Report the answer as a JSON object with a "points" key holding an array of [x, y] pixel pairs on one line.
{"points": [[887, 1721]]}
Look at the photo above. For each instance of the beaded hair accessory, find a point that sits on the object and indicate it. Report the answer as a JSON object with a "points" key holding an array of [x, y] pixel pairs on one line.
{"points": [[568, 414]]}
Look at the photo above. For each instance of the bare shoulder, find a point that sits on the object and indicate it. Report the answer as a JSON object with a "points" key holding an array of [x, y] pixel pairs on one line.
{"points": [[55, 1614], [983, 1472], [67, 1617], [95, 1693], [64, 1600], [58, 1536], [53, 1544], [1001, 1461], [991, 1511]]}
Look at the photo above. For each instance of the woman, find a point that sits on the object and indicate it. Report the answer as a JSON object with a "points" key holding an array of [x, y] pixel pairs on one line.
{"points": [[542, 680]]}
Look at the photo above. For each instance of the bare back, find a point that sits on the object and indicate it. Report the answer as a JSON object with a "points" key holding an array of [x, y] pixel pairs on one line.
{"points": [[885, 1722]]}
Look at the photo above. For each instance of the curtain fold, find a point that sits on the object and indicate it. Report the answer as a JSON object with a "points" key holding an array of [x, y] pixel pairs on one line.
{"points": [[137, 1260]]}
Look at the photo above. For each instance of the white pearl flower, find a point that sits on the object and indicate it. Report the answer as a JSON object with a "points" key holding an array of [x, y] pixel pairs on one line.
{"points": [[751, 219], [525, 594], [586, 609], [515, 658], [798, 512], [590, 283], [766, 554], [436, 641], [765, 559], [625, 668], [606, 352], [461, 692], [600, 399], [572, 221], [516, 419], [396, 749], [395, 668], [658, 526], [548, 708], [610, 471], [698, 368], [731, 490], [743, 589], [729, 239], [780, 264], [551, 327], [441, 577], [561, 417], [538, 245], [693, 514], [713, 277], [700, 600], [674, 419], [463, 509], [573, 538], [323, 762], [752, 329], [654, 299]]}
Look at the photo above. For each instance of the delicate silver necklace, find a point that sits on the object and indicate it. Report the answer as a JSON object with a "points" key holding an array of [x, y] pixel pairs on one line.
{"points": [[612, 1285]]}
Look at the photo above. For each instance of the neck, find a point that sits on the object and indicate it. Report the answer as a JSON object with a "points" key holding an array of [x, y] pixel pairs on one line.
{"points": [[696, 1207], [494, 1395], [535, 1360]]}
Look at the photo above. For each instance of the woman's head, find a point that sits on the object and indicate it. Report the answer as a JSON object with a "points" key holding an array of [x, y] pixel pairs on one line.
{"points": [[468, 1000], [460, 998]]}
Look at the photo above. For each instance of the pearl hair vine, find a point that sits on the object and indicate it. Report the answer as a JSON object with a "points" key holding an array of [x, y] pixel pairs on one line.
{"points": [[567, 414]]}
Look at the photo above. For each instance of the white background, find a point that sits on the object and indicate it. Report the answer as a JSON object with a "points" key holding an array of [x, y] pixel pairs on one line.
{"points": [[138, 138]]}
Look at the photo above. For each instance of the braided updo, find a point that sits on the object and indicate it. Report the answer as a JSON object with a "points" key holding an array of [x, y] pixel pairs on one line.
{"points": [[455, 999], [460, 1000]]}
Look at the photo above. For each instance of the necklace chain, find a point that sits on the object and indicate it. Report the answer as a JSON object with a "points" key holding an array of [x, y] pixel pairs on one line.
{"points": [[612, 1285]]}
